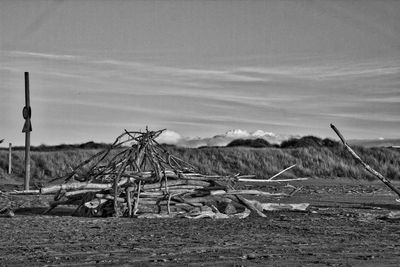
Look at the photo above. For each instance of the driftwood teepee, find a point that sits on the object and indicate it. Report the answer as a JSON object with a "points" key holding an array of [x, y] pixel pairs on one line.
{"points": [[137, 177]]}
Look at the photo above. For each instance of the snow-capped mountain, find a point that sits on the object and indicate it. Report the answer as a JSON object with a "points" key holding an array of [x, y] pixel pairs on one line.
{"points": [[237, 133], [261, 134]]}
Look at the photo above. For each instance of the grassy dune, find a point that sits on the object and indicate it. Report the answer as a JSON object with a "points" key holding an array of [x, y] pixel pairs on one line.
{"points": [[326, 162], [314, 158]]}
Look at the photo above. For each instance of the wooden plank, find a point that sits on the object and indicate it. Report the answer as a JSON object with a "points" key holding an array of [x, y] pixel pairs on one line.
{"points": [[272, 181]]}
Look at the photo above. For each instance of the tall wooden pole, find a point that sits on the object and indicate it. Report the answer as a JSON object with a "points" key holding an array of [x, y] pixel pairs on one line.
{"points": [[9, 158], [27, 129]]}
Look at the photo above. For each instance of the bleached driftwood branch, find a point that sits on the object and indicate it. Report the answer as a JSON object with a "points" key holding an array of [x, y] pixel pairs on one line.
{"points": [[279, 173], [272, 181], [366, 166]]}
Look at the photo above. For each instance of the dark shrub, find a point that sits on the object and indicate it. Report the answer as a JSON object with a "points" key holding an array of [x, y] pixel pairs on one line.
{"points": [[257, 143], [306, 141]]}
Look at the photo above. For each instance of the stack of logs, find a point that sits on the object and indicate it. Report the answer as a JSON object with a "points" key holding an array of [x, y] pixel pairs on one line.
{"points": [[137, 177]]}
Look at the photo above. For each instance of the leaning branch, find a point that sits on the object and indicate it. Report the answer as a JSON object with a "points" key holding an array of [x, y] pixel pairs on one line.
{"points": [[366, 166], [279, 173]]}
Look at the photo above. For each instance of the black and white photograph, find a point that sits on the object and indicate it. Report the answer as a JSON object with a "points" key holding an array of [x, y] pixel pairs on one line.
{"points": [[199, 133]]}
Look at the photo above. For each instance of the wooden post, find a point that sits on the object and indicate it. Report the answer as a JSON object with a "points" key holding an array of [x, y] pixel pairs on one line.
{"points": [[26, 112], [9, 158]]}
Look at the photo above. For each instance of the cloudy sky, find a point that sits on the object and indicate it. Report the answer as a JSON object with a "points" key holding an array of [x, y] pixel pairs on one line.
{"points": [[200, 68]]}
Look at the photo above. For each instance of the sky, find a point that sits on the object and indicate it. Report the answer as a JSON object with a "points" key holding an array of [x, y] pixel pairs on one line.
{"points": [[199, 68]]}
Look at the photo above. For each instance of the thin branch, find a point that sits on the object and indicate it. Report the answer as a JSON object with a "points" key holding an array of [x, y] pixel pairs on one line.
{"points": [[366, 166]]}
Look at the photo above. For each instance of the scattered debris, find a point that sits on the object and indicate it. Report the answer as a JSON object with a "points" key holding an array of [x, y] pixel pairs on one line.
{"points": [[5, 208], [394, 215], [391, 216], [137, 177]]}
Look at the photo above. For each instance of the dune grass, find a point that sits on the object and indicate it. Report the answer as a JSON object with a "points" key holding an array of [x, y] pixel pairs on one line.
{"points": [[324, 160]]}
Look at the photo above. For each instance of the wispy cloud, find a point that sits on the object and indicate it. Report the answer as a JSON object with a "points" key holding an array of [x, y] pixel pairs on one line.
{"points": [[221, 74], [323, 72], [42, 55], [144, 71], [292, 98]]}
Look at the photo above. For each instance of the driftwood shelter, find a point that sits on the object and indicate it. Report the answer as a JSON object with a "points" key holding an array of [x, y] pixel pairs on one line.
{"points": [[138, 177]]}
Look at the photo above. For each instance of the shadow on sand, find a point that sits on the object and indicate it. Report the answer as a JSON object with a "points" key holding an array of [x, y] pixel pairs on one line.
{"points": [[34, 211]]}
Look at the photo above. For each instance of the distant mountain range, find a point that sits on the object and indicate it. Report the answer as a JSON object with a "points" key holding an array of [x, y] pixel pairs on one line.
{"points": [[376, 143], [173, 138]]}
